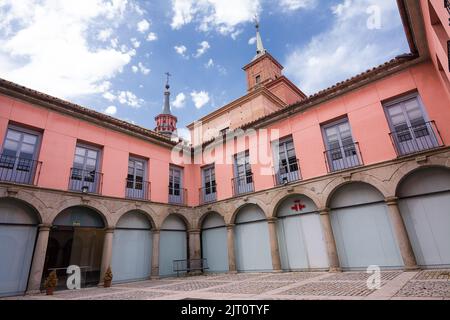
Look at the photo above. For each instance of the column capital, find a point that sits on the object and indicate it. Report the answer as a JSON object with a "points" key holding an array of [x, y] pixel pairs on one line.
{"points": [[194, 231], [272, 220], [44, 227], [230, 226], [110, 230], [391, 201], [156, 231], [324, 211]]}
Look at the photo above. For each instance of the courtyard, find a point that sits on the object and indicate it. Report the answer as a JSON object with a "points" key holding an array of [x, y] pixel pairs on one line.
{"points": [[395, 285]]}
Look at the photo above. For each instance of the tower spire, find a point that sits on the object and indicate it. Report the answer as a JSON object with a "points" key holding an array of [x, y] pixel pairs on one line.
{"points": [[259, 43], [166, 109]]}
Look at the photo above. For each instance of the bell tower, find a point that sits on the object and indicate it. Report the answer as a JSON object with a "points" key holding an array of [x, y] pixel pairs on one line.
{"points": [[264, 68], [166, 123]]}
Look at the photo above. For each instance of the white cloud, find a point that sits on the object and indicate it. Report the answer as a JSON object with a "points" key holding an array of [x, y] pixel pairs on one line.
{"points": [[135, 69], [44, 44], [129, 98], [181, 50], [136, 44], [224, 16], [293, 5], [143, 26], [152, 36], [144, 70], [204, 46], [252, 41], [180, 101], [200, 99], [105, 34], [184, 134], [348, 47], [111, 110], [209, 64], [109, 96]]}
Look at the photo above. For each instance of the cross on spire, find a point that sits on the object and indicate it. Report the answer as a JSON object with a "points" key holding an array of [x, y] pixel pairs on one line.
{"points": [[259, 44], [168, 77]]}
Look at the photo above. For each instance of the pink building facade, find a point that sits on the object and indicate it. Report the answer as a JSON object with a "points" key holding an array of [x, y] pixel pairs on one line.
{"points": [[347, 172]]}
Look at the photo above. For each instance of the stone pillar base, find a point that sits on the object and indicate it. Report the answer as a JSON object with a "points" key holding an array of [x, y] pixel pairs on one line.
{"points": [[32, 292], [232, 272], [335, 270], [277, 271], [155, 277], [412, 269]]}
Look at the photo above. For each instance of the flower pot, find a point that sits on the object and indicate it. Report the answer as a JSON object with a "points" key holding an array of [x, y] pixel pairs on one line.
{"points": [[107, 283], [50, 291]]}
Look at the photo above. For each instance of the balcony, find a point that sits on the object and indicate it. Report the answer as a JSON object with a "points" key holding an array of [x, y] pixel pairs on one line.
{"points": [[243, 185], [287, 173], [447, 5], [85, 181], [342, 158], [208, 194], [19, 170], [138, 190], [177, 196], [421, 137]]}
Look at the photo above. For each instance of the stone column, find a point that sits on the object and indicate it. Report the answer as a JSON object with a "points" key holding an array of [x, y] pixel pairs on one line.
{"points": [[107, 253], [274, 249], [231, 253], [37, 266], [155, 254], [401, 234], [330, 242], [194, 244]]}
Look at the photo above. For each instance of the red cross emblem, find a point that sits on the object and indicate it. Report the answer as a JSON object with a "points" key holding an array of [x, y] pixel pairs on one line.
{"points": [[298, 206]]}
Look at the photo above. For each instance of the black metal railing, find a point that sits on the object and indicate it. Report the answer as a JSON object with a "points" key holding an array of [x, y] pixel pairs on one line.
{"points": [[447, 5], [189, 265], [286, 173], [208, 194], [135, 189], [19, 170], [243, 185], [85, 181], [345, 157], [421, 137], [177, 196]]}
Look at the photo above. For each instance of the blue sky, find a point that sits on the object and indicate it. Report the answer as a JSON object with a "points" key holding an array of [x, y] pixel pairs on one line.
{"points": [[111, 55]]}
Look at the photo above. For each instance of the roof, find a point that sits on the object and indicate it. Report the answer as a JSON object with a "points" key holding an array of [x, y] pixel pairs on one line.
{"points": [[38, 98]]}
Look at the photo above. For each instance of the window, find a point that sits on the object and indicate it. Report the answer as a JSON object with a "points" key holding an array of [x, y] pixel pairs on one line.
{"points": [[85, 176], [411, 131], [175, 185], [243, 182], [341, 150], [287, 169], [258, 79], [209, 184], [19, 154], [137, 187]]}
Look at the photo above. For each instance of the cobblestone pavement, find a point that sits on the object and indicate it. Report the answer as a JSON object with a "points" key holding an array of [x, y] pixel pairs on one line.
{"points": [[397, 285]]}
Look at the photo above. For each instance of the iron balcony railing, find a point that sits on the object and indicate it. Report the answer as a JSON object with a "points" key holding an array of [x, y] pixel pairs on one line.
{"points": [[19, 170], [421, 137], [344, 157], [243, 185], [85, 181], [177, 196], [208, 194], [135, 189], [447, 6], [287, 173]]}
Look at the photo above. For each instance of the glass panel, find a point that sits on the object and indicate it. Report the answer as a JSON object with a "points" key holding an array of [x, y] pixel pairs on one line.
{"points": [[91, 163], [78, 160], [92, 154], [31, 139], [14, 135], [80, 151], [27, 148], [11, 146]]}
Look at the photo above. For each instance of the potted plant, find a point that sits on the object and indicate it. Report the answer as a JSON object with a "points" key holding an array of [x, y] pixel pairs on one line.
{"points": [[50, 283], [108, 278]]}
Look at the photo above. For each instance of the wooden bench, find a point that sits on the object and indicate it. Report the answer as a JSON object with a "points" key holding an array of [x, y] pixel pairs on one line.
{"points": [[189, 265]]}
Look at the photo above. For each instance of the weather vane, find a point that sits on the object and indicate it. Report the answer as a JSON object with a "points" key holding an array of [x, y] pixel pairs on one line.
{"points": [[256, 21], [168, 77]]}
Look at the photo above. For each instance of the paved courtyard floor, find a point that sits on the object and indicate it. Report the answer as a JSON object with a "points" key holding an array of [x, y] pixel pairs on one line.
{"points": [[395, 285]]}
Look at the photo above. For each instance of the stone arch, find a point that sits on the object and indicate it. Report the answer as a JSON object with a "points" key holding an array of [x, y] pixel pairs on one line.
{"points": [[204, 215], [282, 196], [179, 215], [33, 202], [336, 184], [29, 206], [146, 210], [406, 174], [245, 204], [91, 204]]}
